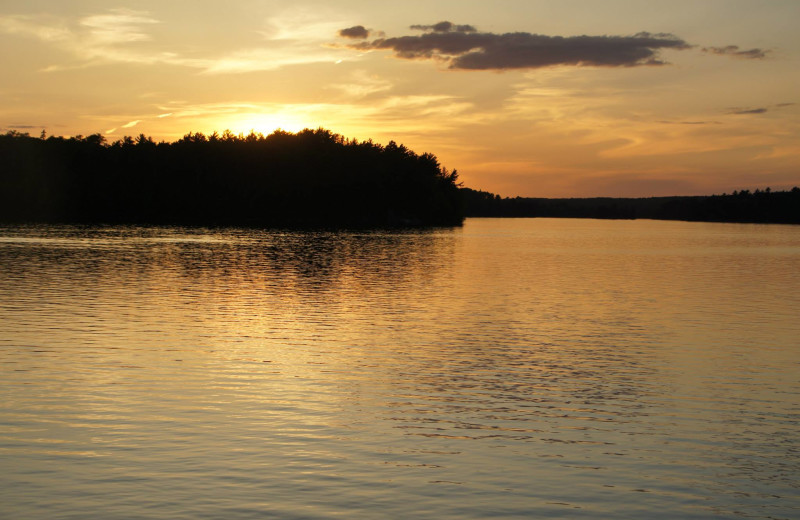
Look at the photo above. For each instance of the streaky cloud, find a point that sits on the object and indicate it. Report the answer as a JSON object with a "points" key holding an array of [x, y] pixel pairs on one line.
{"points": [[667, 122], [746, 111], [116, 35], [445, 27], [464, 47], [733, 50], [118, 26], [759, 110]]}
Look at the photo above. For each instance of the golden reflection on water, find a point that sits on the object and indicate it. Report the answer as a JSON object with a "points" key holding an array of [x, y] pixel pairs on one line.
{"points": [[514, 367]]}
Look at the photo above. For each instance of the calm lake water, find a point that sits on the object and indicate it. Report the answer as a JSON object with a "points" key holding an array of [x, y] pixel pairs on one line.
{"points": [[529, 368]]}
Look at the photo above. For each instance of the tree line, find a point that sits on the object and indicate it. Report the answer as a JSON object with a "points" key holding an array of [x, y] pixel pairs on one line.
{"points": [[308, 178], [759, 206]]}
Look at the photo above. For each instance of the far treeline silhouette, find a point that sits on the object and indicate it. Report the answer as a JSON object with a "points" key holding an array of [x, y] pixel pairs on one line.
{"points": [[760, 206], [309, 178]]}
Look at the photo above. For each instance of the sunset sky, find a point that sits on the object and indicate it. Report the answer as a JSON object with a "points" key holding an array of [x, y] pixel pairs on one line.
{"points": [[524, 97]]}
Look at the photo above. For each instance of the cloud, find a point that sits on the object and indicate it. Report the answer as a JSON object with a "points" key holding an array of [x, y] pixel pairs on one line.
{"points": [[392, 113], [667, 122], [357, 32], [302, 24], [118, 26], [24, 25], [464, 47], [733, 50], [132, 123], [267, 58], [760, 110], [118, 35], [745, 111], [363, 85], [182, 110], [93, 39], [445, 27]]}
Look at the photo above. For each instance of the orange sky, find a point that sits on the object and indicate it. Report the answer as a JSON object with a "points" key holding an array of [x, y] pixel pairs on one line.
{"points": [[523, 97]]}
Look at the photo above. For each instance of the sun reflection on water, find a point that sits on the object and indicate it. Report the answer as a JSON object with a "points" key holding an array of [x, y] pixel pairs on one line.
{"points": [[517, 368]]}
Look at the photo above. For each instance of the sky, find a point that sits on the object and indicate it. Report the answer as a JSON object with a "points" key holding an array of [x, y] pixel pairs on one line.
{"points": [[534, 98]]}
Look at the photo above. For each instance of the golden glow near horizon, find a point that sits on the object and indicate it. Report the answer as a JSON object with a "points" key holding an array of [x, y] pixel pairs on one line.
{"points": [[722, 113]]}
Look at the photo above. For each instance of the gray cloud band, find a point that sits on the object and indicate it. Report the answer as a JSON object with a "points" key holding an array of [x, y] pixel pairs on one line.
{"points": [[733, 50], [464, 47]]}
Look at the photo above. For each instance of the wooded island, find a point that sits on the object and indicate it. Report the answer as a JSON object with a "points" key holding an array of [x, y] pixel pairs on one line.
{"points": [[311, 178]]}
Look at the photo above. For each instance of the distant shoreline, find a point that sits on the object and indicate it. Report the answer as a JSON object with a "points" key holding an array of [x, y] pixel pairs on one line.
{"points": [[758, 207]]}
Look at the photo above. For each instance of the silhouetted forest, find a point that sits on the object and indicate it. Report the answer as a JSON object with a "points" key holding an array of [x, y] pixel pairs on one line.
{"points": [[311, 178], [764, 206]]}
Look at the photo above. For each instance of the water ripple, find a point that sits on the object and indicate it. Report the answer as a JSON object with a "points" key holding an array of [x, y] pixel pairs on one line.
{"points": [[518, 368]]}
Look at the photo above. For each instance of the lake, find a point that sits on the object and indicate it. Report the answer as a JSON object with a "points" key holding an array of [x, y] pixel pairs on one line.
{"points": [[519, 368]]}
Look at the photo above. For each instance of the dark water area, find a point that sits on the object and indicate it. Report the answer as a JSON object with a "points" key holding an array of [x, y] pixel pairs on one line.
{"points": [[522, 368]]}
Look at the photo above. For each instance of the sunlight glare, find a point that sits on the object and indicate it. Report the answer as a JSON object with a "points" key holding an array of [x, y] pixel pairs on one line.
{"points": [[265, 123]]}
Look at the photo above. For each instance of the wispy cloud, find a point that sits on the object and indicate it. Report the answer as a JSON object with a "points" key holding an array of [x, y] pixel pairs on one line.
{"points": [[184, 110], [265, 58], [667, 122], [394, 115], [92, 40], [733, 50], [118, 26], [118, 36], [389, 107], [745, 111], [303, 24], [28, 26], [759, 110], [363, 84]]}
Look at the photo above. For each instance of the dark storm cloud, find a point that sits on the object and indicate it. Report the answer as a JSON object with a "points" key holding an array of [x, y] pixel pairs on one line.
{"points": [[463, 47], [358, 32], [733, 50]]}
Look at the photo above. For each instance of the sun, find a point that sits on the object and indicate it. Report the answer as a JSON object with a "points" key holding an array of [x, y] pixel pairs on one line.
{"points": [[265, 123]]}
